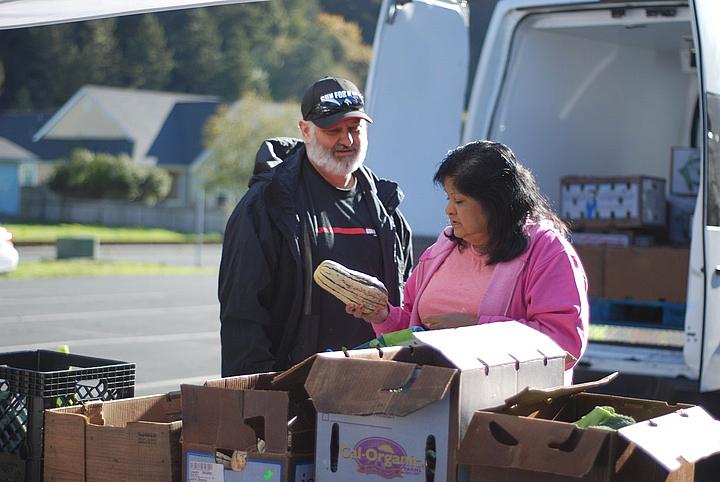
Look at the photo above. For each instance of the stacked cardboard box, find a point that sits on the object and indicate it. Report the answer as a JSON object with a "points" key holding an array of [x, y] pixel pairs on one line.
{"points": [[401, 411], [636, 273], [134, 439], [246, 429], [658, 273], [613, 202]]}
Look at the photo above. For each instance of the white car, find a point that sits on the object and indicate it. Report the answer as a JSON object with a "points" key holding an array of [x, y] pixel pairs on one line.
{"points": [[8, 254]]}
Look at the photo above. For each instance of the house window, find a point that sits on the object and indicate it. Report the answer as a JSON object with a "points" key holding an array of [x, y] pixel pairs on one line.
{"points": [[174, 188], [28, 174]]}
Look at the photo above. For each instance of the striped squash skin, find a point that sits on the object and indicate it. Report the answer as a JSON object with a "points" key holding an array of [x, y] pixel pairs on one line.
{"points": [[350, 286]]}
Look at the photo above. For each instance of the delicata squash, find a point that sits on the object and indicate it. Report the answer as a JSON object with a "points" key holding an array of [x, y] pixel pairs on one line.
{"points": [[350, 286]]}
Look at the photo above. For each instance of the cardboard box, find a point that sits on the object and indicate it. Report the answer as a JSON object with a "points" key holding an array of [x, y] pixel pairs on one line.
{"points": [[601, 239], [610, 202], [593, 261], [648, 274], [400, 412], [134, 439], [533, 438], [231, 416]]}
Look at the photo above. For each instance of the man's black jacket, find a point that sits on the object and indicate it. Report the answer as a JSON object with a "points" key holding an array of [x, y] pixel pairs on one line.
{"points": [[267, 321]]}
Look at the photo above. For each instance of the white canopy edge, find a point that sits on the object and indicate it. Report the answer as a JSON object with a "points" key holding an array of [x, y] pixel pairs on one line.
{"points": [[31, 13]]}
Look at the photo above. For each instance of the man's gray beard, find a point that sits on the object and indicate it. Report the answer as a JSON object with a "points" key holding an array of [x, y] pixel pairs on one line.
{"points": [[326, 160]]}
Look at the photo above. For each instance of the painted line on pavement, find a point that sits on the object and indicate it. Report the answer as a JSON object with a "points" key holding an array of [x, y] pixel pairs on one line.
{"points": [[112, 313], [35, 299], [119, 340]]}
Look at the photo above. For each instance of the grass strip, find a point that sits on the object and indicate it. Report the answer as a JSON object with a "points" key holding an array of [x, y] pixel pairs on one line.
{"points": [[49, 233], [86, 267]]}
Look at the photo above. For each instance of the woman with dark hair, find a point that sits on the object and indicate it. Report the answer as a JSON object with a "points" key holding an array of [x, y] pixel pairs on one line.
{"points": [[505, 256]]}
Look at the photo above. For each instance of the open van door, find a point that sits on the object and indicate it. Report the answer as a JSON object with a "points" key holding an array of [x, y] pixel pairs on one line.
{"points": [[707, 41], [416, 95]]}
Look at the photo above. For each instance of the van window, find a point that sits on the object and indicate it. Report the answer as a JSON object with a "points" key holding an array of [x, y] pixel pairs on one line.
{"points": [[713, 144]]}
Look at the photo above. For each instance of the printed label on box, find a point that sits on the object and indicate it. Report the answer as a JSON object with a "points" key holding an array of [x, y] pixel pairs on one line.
{"points": [[256, 471], [305, 472], [202, 468], [382, 456]]}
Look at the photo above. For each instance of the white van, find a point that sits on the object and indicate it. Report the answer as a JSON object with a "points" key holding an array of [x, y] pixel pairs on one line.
{"points": [[581, 88]]}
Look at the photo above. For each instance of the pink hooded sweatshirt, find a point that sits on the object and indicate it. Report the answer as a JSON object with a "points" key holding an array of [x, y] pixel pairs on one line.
{"points": [[545, 288]]}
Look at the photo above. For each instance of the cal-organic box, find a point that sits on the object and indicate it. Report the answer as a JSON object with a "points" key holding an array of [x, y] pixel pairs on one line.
{"points": [[134, 439], [616, 201], [533, 438], [400, 412], [244, 429]]}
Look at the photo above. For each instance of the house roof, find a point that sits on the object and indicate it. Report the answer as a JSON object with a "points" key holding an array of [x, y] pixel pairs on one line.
{"points": [[10, 150], [156, 123], [180, 140], [20, 127]]}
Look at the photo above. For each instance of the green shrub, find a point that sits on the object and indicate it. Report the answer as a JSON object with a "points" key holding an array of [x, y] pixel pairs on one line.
{"points": [[106, 176]]}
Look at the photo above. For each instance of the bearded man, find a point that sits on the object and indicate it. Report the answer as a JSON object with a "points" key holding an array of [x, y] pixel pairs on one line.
{"points": [[308, 201]]}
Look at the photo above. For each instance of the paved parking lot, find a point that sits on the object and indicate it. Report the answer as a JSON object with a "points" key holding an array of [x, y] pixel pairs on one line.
{"points": [[168, 325]]}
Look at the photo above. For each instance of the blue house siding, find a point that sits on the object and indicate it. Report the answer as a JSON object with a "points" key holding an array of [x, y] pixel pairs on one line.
{"points": [[9, 189]]}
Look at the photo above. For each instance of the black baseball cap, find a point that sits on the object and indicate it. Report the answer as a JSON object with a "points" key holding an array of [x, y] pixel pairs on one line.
{"points": [[332, 99]]}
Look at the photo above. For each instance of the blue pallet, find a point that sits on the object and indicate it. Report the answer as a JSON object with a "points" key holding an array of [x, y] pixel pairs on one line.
{"points": [[658, 314]]}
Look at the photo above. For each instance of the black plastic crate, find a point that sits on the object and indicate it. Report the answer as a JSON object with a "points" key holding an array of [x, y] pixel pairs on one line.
{"points": [[32, 381]]}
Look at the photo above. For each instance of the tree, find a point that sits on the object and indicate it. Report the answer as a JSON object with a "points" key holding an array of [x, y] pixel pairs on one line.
{"points": [[273, 48], [98, 57], [352, 55], [147, 59], [234, 135], [362, 13], [50, 72], [198, 54], [240, 72], [304, 60]]}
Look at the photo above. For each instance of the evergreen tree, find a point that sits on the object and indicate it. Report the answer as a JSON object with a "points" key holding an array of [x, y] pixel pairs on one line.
{"points": [[238, 67], [98, 55], [54, 68], [13, 49], [274, 48], [147, 58], [250, 32], [198, 56]]}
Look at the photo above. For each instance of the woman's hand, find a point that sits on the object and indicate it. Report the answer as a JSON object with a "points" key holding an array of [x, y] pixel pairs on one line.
{"points": [[449, 320], [375, 317]]}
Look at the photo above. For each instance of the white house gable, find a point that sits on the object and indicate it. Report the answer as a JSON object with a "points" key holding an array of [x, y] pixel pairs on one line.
{"points": [[86, 118]]}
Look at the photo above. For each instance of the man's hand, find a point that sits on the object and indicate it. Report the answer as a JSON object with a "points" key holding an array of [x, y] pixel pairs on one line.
{"points": [[375, 317], [449, 320]]}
